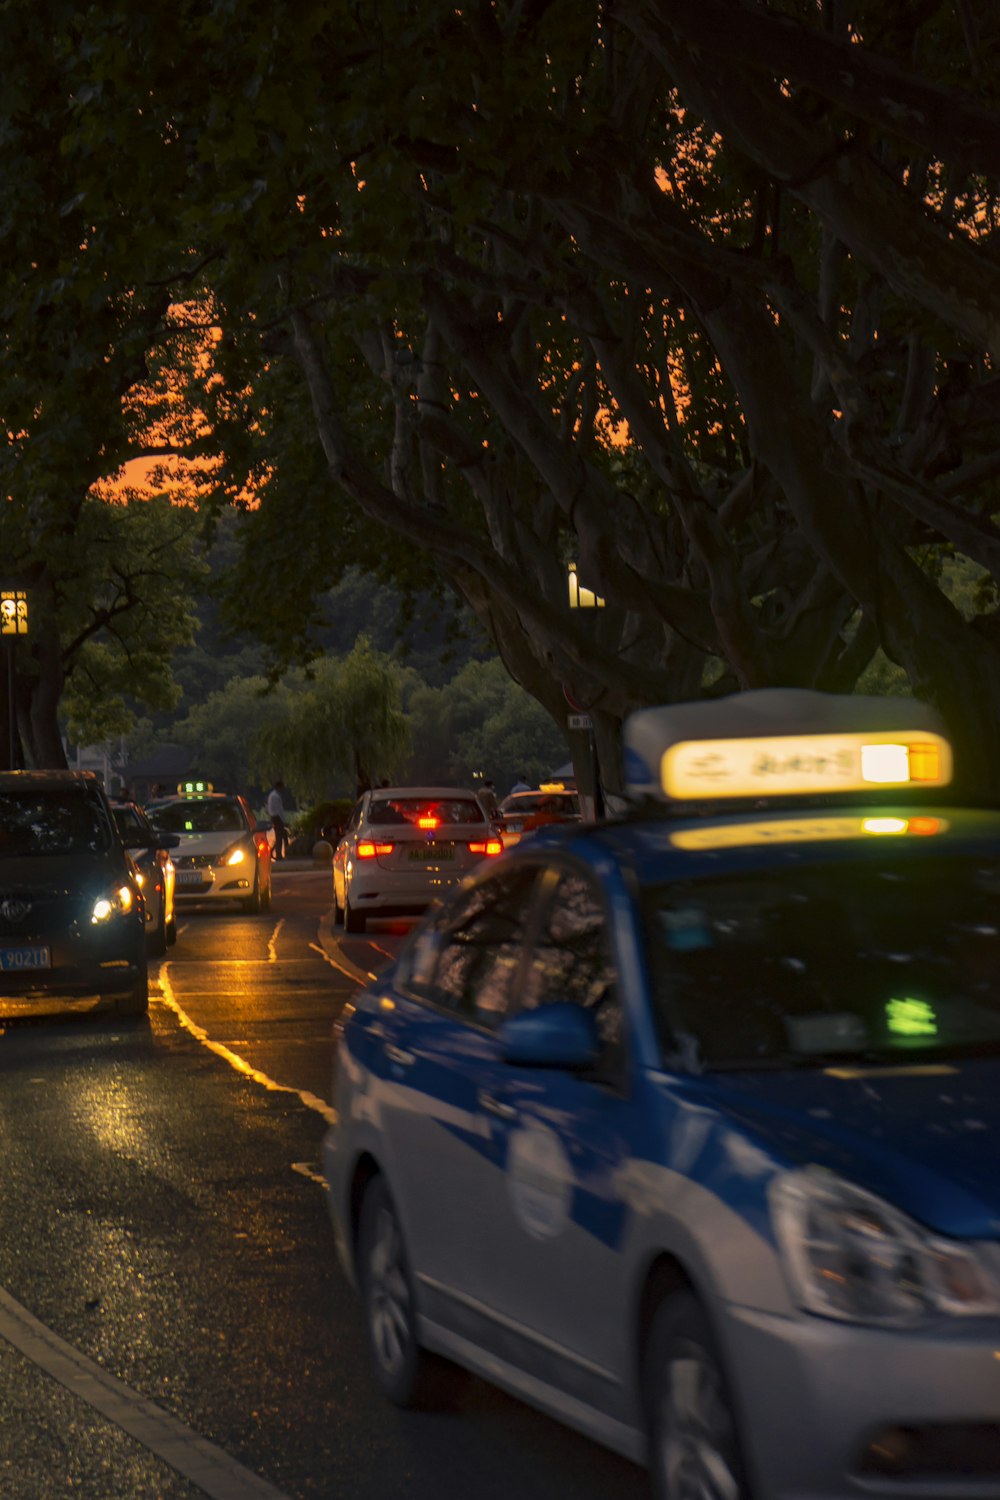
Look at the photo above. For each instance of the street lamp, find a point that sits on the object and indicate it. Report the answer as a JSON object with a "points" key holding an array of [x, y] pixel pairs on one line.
{"points": [[13, 623], [581, 598]]}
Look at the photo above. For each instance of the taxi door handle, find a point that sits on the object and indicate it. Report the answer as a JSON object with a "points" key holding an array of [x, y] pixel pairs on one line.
{"points": [[397, 1055], [495, 1106]]}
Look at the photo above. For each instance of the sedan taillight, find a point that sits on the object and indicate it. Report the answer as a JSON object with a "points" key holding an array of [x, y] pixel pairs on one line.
{"points": [[487, 847], [368, 850]]}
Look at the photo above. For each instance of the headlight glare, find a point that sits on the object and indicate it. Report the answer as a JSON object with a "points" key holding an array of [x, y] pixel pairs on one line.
{"points": [[850, 1255], [235, 854], [115, 903]]}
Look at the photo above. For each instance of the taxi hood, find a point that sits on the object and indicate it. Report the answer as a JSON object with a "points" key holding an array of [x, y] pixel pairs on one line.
{"points": [[924, 1137]]}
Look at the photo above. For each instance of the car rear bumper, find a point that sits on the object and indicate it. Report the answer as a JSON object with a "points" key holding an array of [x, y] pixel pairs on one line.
{"points": [[402, 893]]}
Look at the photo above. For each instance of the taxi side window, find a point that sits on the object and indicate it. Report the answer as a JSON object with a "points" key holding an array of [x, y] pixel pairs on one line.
{"points": [[572, 959], [480, 947]]}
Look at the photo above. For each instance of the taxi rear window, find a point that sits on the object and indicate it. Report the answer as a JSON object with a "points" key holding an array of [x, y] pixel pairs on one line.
{"points": [[797, 967]]}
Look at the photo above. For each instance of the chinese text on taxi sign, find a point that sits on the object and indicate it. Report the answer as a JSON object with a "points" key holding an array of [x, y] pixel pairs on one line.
{"points": [[13, 612], [803, 764]]}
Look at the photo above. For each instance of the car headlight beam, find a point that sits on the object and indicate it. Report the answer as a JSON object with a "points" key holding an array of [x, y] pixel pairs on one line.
{"points": [[116, 903], [850, 1255]]}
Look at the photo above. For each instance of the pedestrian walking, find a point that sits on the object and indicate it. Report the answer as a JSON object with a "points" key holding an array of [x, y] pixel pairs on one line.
{"points": [[520, 785], [276, 812]]}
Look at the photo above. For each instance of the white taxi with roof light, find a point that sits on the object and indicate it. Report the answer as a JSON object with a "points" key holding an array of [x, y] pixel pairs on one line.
{"points": [[222, 854], [685, 1128], [404, 847]]}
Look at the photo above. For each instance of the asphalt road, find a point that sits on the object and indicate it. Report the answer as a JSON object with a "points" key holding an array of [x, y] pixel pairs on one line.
{"points": [[172, 1320]]}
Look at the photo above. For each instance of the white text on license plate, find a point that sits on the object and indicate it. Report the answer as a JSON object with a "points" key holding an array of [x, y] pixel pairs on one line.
{"points": [[13, 960], [432, 852], [193, 877]]}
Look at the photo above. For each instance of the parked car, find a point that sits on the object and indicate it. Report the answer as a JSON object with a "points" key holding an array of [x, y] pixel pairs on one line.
{"points": [[403, 847], [72, 909], [222, 854], [157, 875], [685, 1127]]}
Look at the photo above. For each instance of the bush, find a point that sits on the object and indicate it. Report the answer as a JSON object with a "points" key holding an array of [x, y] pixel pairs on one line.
{"points": [[308, 824]]}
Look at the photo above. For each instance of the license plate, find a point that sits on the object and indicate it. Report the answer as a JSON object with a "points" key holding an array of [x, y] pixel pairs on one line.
{"points": [[429, 853], [13, 960], [193, 877]]}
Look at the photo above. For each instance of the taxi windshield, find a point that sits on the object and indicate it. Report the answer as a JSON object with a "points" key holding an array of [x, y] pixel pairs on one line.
{"points": [[51, 823], [199, 816], [886, 960]]}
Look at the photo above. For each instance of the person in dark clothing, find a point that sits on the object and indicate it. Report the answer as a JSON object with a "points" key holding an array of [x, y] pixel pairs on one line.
{"points": [[276, 812]]}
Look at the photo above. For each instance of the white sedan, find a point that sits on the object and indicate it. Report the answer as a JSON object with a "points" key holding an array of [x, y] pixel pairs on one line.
{"points": [[403, 847], [222, 855]]}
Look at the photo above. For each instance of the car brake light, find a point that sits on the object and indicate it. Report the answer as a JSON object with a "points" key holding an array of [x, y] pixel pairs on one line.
{"points": [[487, 847], [367, 850], [429, 822]]}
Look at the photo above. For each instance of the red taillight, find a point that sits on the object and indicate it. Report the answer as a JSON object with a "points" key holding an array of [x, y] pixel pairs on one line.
{"points": [[367, 850], [260, 839], [490, 846], [429, 822]]}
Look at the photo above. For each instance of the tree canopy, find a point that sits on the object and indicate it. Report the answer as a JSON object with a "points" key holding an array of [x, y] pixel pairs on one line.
{"points": [[699, 294]]}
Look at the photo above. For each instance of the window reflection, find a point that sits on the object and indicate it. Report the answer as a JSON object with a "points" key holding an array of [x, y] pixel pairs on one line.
{"points": [[873, 959], [481, 946], [572, 960], [50, 823]]}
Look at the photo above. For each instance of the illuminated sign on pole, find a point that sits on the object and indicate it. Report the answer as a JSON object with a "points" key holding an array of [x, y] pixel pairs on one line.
{"points": [[13, 612]]}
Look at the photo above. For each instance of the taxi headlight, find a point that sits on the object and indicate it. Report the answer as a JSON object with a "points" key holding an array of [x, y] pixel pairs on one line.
{"points": [[235, 854], [116, 903], [850, 1255]]}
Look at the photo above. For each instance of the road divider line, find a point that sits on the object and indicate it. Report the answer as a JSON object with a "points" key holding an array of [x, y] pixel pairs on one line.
{"points": [[210, 1468], [305, 1169], [272, 951], [340, 961], [239, 1064]]}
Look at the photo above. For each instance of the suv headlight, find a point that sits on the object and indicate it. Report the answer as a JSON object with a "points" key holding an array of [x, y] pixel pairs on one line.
{"points": [[236, 854], [850, 1255], [116, 903]]}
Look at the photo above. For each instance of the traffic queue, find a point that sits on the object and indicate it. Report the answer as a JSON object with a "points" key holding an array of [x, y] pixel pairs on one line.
{"points": [[683, 1127]]}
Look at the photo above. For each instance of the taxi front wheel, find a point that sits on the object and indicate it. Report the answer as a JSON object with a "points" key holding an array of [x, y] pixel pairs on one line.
{"points": [[693, 1443], [406, 1373]]}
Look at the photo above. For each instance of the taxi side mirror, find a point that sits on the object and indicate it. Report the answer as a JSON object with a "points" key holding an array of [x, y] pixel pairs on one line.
{"points": [[559, 1034]]}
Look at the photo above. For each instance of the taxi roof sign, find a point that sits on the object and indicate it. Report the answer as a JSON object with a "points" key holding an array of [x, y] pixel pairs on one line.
{"points": [[780, 742], [194, 789]]}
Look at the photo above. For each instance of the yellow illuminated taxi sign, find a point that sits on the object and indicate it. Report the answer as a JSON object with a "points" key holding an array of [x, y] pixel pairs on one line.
{"points": [[552, 786], [801, 764], [781, 742], [194, 789]]}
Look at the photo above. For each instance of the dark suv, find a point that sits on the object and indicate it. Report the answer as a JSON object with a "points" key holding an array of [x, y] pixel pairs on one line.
{"points": [[72, 915]]}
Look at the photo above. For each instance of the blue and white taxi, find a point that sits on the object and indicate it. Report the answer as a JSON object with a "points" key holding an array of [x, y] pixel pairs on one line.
{"points": [[684, 1128]]}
